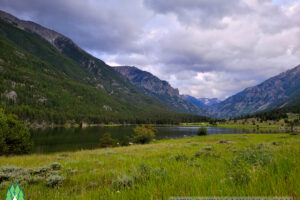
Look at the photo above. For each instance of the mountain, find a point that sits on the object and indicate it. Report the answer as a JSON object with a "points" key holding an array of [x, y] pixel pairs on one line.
{"points": [[201, 102], [194, 101], [160, 89], [279, 91], [46, 76], [209, 101]]}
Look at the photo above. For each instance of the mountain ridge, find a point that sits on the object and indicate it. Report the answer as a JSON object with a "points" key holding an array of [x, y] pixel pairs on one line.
{"points": [[273, 93], [158, 88]]}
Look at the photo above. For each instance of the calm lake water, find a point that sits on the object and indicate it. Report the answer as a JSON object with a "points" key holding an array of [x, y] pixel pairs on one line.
{"points": [[71, 139]]}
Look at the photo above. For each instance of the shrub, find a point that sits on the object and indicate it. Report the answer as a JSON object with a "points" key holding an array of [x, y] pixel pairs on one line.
{"points": [[241, 165], [125, 141], [107, 141], [54, 180], [144, 134], [55, 166], [123, 181], [254, 156], [49, 175], [207, 148], [14, 136], [202, 131]]}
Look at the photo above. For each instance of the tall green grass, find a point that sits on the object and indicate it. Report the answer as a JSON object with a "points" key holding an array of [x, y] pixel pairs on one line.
{"points": [[214, 165]]}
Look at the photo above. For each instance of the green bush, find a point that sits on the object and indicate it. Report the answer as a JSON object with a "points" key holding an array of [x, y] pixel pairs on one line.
{"points": [[144, 134], [125, 141], [14, 136], [202, 131], [107, 141]]}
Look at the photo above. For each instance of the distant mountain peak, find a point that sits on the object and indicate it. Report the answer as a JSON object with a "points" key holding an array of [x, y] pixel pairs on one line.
{"points": [[209, 101], [201, 102]]}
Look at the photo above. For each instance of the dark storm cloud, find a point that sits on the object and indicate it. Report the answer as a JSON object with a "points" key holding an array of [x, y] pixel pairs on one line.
{"points": [[108, 26], [204, 12], [206, 48]]}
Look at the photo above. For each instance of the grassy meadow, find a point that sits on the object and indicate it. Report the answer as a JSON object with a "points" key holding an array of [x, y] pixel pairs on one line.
{"points": [[214, 165]]}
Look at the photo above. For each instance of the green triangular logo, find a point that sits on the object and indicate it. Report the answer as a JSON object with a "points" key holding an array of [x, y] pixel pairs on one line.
{"points": [[14, 193]]}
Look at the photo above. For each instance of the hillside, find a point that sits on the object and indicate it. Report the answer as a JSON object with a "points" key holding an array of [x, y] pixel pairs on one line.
{"points": [[46, 76], [277, 92], [160, 89]]}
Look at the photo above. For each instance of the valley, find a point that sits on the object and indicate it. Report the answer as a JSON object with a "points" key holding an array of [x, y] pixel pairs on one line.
{"points": [[87, 122]]}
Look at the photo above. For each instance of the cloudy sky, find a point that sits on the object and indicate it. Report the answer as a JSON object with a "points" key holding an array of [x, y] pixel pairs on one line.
{"points": [[206, 48]]}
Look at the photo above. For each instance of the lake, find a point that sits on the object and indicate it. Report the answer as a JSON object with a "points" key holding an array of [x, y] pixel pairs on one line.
{"points": [[61, 139]]}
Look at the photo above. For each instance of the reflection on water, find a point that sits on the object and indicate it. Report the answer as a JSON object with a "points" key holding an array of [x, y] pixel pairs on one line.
{"points": [[70, 139]]}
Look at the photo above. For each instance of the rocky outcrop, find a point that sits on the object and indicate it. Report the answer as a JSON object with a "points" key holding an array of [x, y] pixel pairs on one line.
{"points": [[12, 96], [147, 81]]}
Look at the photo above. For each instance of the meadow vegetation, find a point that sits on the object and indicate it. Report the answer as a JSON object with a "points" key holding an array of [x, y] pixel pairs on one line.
{"points": [[260, 123], [213, 165]]}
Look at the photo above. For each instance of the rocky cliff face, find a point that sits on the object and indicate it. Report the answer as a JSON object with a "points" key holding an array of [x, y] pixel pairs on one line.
{"points": [[158, 88], [147, 81], [272, 93]]}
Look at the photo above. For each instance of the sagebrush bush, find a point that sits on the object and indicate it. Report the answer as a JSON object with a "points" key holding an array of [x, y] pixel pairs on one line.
{"points": [[241, 165], [54, 180], [49, 175], [124, 181]]}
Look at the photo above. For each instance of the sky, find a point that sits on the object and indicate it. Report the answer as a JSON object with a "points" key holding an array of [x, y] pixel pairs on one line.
{"points": [[205, 48]]}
